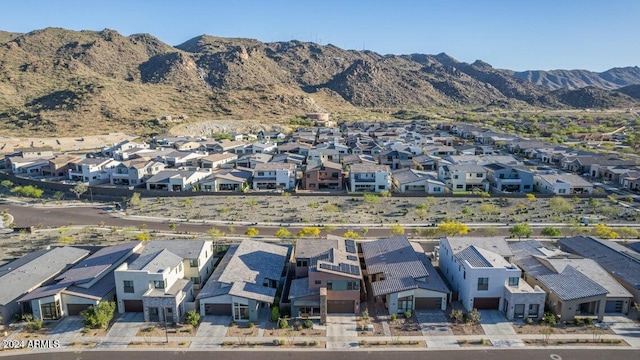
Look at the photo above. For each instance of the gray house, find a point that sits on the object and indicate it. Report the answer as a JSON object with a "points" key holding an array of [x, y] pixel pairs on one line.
{"points": [[86, 284], [509, 179], [245, 281], [621, 262], [30, 272]]}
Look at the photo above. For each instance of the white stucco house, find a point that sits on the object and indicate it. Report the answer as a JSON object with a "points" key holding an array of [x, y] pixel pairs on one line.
{"points": [[369, 177]]}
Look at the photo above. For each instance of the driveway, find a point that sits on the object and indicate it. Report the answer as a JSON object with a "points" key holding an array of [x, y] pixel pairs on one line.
{"points": [[211, 332], [499, 330], [624, 326], [122, 331], [67, 329], [435, 327], [340, 329]]}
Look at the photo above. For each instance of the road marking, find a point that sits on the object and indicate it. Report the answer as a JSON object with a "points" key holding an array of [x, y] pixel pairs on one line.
{"points": [[555, 357]]}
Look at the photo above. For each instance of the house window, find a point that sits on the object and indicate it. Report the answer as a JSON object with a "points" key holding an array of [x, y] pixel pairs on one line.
{"points": [[260, 173], [533, 310], [479, 175], [405, 304], [483, 283], [381, 187], [458, 186], [318, 282], [518, 311], [240, 311], [180, 267], [455, 176], [329, 285], [464, 275], [158, 284], [193, 263], [562, 191], [352, 285], [195, 280], [527, 186], [514, 281], [302, 263], [128, 287], [436, 189]]}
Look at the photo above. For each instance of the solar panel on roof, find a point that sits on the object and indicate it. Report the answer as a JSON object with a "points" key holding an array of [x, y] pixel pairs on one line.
{"points": [[350, 246]]}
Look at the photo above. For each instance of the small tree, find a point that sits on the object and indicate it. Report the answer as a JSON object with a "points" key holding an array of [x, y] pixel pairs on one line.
{"points": [[551, 231], [603, 231], [135, 200], [351, 235], [193, 317], [559, 205], [593, 204], [99, 316], [546, 332], [7, 184], [530, 197], [173, 226], [456, 315], [275, 313], [58, 195], [452, 228], [251, 232], [282, 233], [628, 232], [79, 189], [309, 231], [145, 236], [370, 198], [396, 229], [521, 230]]}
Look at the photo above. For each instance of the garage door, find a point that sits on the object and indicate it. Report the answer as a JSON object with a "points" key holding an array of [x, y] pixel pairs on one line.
{"points": [[340, 306], [613, 306], [486, 303], [75, 309], [428, 303], [217, 309], [133, 306]]}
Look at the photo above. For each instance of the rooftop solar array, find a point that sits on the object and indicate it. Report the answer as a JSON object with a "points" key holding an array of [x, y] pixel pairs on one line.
{"points": [[350, 246], [343, 268]]}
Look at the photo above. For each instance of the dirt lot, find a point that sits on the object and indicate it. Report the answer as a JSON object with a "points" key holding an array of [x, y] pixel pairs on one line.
{"points": [[62, 144], [320, 210]]}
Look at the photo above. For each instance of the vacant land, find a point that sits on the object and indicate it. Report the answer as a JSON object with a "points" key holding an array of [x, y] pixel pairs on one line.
{"points": [[63, 144], [381, 210]]}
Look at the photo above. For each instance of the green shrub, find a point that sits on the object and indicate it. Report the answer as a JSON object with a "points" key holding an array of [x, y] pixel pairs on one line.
{"points": [[251, 325], [549, 318], [407, 314], [473, 316], [393, 317], [275, 314], [193, 317], [99, 316], [588, 321], [308, 324], [284, 323]]}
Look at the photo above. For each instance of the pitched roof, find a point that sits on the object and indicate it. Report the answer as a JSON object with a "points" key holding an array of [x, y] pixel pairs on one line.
{"points": [[616, 259], [22, 277], [495, 244], [571, 284]]}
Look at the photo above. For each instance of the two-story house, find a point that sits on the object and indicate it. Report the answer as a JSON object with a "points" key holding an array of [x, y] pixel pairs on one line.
{"points": [[402, 277], [482, 276], [135, 172], [369, 177], [274, 176], [328, 278], [163, 279], [509, 179], [93, 170], [324, 176], [177, 179], [245, 281], [407, 180], [464, 177], [215, 161]]}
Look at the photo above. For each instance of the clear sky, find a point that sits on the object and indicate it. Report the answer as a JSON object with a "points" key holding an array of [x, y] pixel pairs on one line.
{"points": [[514, 34]]}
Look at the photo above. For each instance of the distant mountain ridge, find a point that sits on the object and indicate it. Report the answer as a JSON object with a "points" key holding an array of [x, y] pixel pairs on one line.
{"points": [[574, 79], [57, 81]]}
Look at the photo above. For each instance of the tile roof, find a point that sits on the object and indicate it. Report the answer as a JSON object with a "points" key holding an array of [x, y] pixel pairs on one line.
{"points": [[571, 284], [18, 279], [253, 291], [615, 258], [473, 257], [394, 257], [97, 263], [495, 244]]}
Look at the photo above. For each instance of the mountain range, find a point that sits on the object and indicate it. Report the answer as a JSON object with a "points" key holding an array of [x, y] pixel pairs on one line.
{"points": [[57, 81]]}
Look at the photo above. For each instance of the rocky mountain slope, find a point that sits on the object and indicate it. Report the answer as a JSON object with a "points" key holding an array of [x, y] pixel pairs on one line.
{"points": [[56, 81], [574, 79]]}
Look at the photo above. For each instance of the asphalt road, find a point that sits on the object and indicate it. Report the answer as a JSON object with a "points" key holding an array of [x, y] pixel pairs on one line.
{"points": [[507, 354]]}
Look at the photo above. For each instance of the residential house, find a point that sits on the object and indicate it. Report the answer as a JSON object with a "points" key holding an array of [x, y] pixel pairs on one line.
{"points": [[464, 177], [562, 184], [215, 161], [180, 158], [630, 180], [35, 152], [369, 177], [93, 170], [86, 284], [271, 135], [161, 281], [325, 176], [393, 158], [246, 280], [59, 167], [440, 150], [177, 179], [135, 172], [186, 145], [116, 151], [251, 160], [328, 278], [407, 180], [274, 176], [509, 179], [482, 276], [347, 160], [574, 284], [622, 263], [294, 148], [227, 180], [234, 147], [28, 273], [30, 161], [265, 147], [402, 277], [322, 155]]}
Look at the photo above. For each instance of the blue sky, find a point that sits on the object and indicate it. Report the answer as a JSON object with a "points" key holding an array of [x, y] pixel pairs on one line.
{"points": [[514, 34]]}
